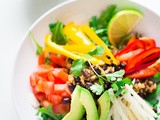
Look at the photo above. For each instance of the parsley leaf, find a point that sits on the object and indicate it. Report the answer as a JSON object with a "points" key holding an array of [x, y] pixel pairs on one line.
{"points": [[96, 88], [58, 35], [77, 67], [114, 76], [47, 114], [39, 48], [98, 51]]}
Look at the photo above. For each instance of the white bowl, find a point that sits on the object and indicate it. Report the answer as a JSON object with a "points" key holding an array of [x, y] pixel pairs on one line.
{"points": [[80, 12]]}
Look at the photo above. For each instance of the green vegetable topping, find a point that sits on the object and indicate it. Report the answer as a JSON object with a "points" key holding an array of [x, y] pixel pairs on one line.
{"points": [[115, 76], [77, 67], [47, 114], [96, 88], [58, 35], [38, 47], [98, 51]]}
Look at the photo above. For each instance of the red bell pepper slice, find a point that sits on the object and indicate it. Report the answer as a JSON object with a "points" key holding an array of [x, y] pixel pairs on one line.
{"points": [[143, 57], [149, 43], [146, 72], [135, 45]]}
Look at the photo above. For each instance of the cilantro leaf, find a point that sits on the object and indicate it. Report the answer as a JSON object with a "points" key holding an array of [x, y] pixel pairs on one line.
{"points": [[98, 51], [58, 35], [77, 67], [119, 85], [96, 88], [93, 22], [47, 114], [115, 75], [39, 48]]}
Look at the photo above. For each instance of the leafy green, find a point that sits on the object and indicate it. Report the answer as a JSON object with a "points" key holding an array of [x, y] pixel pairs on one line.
{"points": [[116, 75], [47, 114], [58, 35], [119, 85], [106, 15], [38, 47], [99, 25], [96, 88], [98, 51], [157, 76], [151, 98], [77, 67]]}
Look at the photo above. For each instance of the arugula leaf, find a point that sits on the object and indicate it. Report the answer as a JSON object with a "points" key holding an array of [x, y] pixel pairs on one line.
{"points": [[151, 98], [47, 114], [98, 51], [107, 15], [77, 67], [115, 75], [39, 48], [96, 88], [58, 35], [93, 22]]}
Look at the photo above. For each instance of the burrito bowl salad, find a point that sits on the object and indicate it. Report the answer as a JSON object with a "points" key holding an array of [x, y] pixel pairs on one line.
{"points": [[98, 71]]}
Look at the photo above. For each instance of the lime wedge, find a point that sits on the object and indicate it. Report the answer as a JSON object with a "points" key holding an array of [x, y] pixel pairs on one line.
{"points": [[121, 25]]}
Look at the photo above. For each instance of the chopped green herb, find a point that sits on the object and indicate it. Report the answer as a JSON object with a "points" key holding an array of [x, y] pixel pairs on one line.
{"points": [[77, 67], [98, 51], [97, 89], [38, 47], [58, 35], [47, 114], [93, 22], [119, 85], [115, 75]]}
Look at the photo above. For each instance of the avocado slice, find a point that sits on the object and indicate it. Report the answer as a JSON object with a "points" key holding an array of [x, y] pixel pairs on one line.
{"points": [[88, 102], [104, 106], [77, 110]]}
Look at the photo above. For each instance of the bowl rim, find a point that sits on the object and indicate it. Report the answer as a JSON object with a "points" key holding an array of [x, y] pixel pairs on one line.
{"points": [[32, 26]]}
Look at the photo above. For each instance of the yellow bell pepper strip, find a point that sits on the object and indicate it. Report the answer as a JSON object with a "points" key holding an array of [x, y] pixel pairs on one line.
{"points": [[93, 36], [75, 34], [60, 50], [79, 48]]}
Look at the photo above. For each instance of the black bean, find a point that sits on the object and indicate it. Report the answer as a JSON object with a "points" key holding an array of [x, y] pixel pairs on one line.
{"points": [[87, 64], [71, 87], [66, 100], [97, 70], [123, 65], [117, 68], [77, 79], [104, 67], [88, 84]]}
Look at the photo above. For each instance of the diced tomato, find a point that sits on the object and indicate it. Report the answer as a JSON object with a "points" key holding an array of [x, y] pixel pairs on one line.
{"points": [[33, 79], [61, 108], [59, 88], [57, 60], [54, 99], [48, 87], [40, 96], [45, 103], [43, 70], [60, 74], [51, 77]]}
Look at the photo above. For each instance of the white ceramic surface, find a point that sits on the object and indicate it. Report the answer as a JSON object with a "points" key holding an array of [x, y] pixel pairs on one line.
{"points": [[78, 11]]}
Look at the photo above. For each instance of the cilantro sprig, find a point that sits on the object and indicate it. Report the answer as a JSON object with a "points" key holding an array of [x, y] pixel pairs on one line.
{"points": [[48, 114]]}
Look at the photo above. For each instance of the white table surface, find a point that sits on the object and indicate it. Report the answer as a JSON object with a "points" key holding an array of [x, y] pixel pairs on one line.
{"points": [[16, 17]]}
